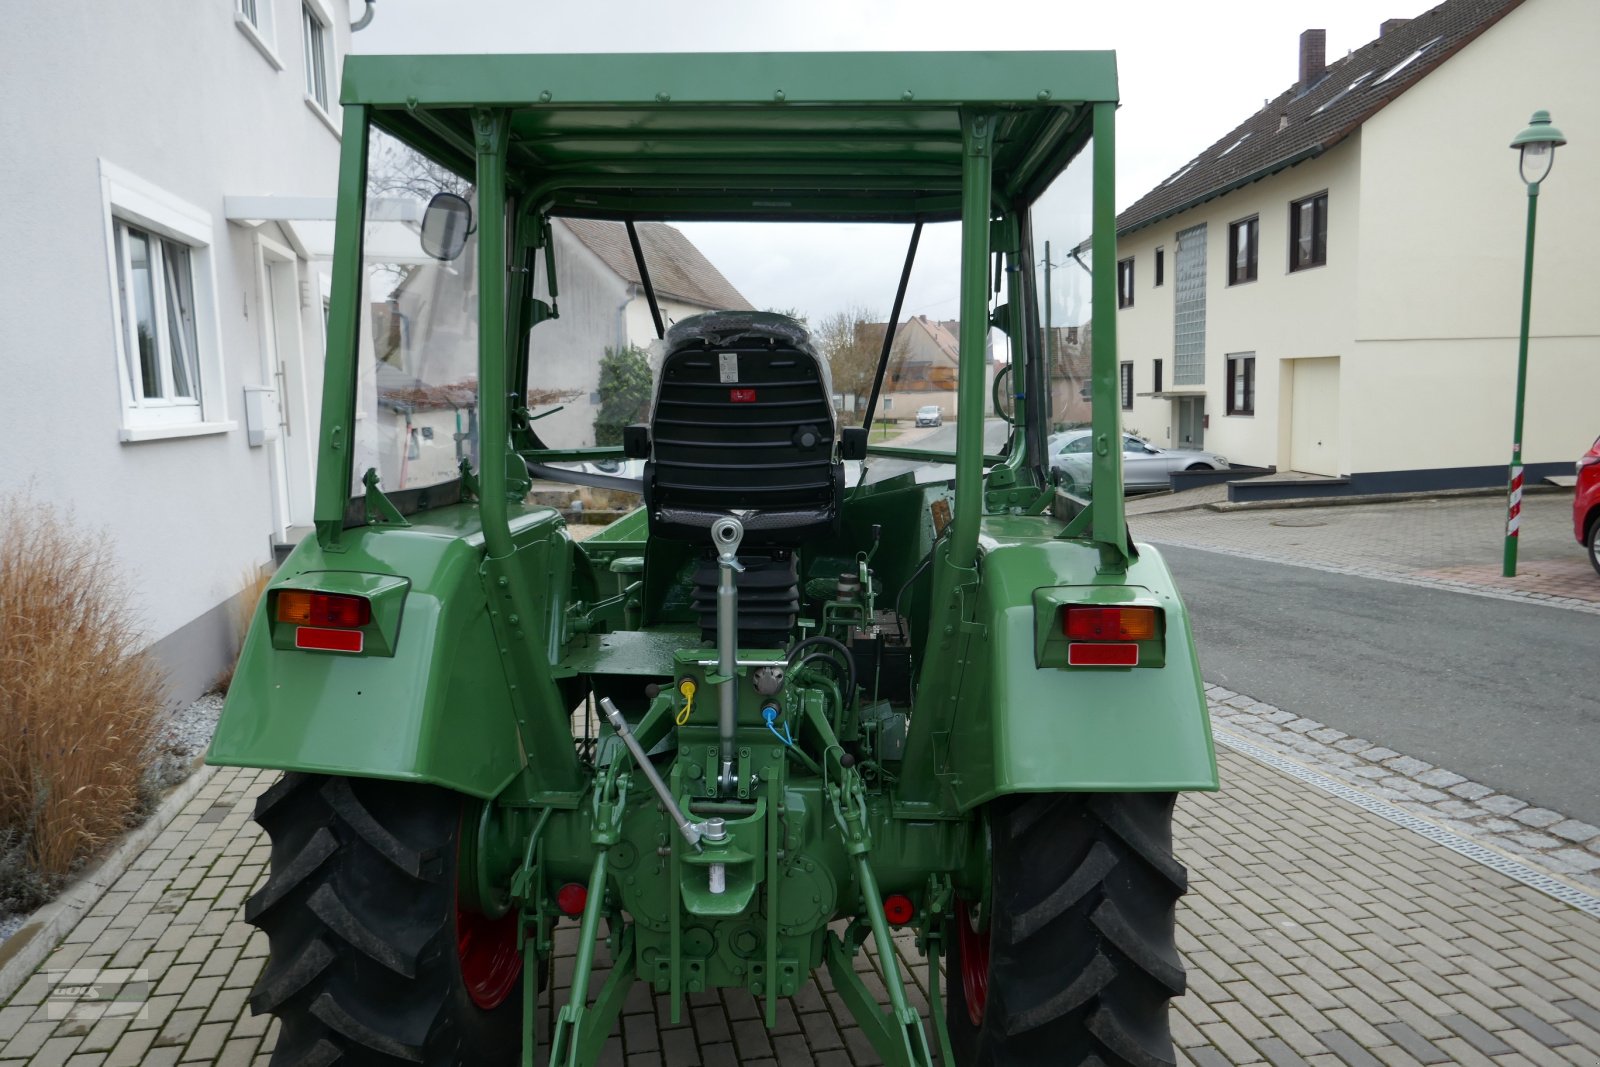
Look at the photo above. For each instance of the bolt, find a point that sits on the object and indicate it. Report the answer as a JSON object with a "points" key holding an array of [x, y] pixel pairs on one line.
{"points": [[663, 96]]}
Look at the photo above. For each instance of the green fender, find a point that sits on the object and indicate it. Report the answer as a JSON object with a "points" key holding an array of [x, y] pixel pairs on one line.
{"points": [[1020, 727], [438, 710]]}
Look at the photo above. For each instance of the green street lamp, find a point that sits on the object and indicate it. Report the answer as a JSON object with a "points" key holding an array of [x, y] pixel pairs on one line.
{"points": [[1536, 147]]}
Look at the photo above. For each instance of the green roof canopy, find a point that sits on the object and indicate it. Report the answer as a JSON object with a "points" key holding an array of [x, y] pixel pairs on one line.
{"points": [[845, 135]]}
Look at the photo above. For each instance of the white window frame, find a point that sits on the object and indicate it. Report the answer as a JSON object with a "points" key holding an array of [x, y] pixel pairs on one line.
{"points": [[129, 199], [260, 30], [318, 11]]}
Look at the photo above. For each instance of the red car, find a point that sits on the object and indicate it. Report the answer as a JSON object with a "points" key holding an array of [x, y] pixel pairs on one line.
{"points": [[1586, 503]]}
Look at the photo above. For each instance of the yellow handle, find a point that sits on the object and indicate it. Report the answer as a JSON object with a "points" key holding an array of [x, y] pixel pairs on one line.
{"points": [[686, 687]]}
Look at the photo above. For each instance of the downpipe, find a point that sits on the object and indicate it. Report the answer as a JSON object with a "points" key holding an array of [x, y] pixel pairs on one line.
{"points": [[726, 535]]}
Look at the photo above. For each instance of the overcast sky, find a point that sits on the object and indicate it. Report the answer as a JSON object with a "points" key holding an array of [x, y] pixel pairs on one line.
{"points": [[1190, 70]]}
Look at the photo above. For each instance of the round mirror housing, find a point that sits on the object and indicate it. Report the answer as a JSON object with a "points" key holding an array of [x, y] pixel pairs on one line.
{"points": [[446, 225]]}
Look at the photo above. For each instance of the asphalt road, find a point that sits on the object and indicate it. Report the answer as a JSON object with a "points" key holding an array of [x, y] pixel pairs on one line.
{"points": [[942, 439], [1505, 693]]}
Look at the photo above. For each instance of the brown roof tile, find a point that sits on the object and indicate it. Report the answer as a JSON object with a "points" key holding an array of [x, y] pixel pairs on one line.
{"points": [[677, 268], [1298, 125]]}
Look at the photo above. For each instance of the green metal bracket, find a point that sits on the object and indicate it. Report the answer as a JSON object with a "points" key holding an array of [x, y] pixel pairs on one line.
{"points": [[380, 511], [899, 1041], [940, 894], [897, 1037], [580, 1031]]}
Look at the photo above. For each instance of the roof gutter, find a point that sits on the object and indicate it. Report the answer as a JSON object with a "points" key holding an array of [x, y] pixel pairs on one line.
{"points": [[1239, 183]]}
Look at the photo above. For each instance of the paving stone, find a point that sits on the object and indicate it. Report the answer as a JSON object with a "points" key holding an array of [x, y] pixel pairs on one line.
{"points": [[1539, 818], [1501, 804], [1476, 1036], [1471, 790], [1415, 1045], [1377, 753], [1575, 831], [1439, 778], [1572, 861], [1409, 766]]}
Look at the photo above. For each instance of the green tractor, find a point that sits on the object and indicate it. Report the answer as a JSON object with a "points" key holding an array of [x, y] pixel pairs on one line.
{"points": [[815, 690]]}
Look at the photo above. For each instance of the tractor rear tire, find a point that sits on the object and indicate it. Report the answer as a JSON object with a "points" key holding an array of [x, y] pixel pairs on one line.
{"points": [[368, 953], [1078, 958]]}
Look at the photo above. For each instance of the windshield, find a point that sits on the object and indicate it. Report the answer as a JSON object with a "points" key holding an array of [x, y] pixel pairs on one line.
{"points": [[417, 382], [1061, 224], [594, 369]]}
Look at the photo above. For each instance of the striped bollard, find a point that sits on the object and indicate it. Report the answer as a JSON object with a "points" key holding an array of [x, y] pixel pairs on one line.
{"points": [[1513, 521]]}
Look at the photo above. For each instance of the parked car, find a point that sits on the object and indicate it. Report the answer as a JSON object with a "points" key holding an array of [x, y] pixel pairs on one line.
{"points": [[930, 415], [1144, 466], [1586, 503]]}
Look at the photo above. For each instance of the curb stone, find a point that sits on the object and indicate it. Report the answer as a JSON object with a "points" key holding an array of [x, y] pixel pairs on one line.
{"points": [[1470, 809], [23, 952]]}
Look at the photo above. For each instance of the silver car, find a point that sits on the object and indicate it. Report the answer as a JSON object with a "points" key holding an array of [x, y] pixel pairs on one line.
{"points": [[1144, 466], [930, 415]]}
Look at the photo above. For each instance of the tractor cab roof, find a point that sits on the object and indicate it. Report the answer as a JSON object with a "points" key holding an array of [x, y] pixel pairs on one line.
{"points": [[862, 136]]}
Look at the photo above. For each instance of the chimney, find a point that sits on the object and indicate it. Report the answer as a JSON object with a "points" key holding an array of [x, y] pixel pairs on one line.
{"points": [[1391, 24], [1313, 57]]}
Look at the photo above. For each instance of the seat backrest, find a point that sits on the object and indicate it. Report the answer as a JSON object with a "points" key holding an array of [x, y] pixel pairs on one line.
{"points": [[743, 424]]}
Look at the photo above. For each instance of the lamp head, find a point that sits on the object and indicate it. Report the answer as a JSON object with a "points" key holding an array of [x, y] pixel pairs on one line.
{"points": [[1536, 147]]}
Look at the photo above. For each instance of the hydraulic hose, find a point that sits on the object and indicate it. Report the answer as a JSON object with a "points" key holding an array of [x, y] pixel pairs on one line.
{"points": [[844, 658]]}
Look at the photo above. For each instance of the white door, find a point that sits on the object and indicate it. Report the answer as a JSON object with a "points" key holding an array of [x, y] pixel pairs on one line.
{"points": [[1314, 417], [283, 367]]}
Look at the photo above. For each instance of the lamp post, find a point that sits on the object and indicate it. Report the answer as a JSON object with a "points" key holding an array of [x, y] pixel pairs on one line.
{"points": [[1536, 147]]}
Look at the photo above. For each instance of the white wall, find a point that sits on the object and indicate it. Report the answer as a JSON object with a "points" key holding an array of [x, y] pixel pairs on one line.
{"points": [[1281, 315], [1421, 294], [1439, 298], [172, 92], [598, 311]]}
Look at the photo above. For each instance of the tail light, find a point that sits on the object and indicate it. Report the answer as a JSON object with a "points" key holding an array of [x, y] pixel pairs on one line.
{"points": [[1109, 624], [325, 622], [323, 609], [898, 909]]}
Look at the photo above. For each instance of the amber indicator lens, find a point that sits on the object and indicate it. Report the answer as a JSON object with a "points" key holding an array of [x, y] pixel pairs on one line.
{"points": [[323, 609], [1110, 624]]}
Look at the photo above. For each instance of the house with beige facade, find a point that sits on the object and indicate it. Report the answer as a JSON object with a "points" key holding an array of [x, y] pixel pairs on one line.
{"points": [[1333, 287]]}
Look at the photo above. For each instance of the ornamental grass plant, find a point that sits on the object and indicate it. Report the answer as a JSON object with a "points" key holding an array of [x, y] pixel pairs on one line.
{"points": [[79, 702]]}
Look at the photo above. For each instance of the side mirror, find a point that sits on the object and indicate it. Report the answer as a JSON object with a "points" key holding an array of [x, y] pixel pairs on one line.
{"points": [[446, 225], [853, 443]]}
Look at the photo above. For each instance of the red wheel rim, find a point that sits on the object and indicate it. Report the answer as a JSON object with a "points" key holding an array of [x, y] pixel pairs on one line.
{"points": [[974, 962], [487, 949]]}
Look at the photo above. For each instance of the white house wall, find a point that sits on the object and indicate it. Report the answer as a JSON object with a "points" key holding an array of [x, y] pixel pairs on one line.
{"points": [[1281, 315], [189, 517], [1439, 296], [598, 311]]}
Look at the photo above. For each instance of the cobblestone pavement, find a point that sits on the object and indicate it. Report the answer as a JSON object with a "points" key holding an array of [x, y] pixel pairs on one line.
{"points": [[1314, 932], [1454, 542]]}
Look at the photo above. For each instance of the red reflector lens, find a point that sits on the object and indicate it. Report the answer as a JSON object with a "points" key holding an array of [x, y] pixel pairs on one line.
{"points": [[1086, 654], [571, 899], [742, 396], [323, 609], [1110, 624], [898, 909], [328, 640]]}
